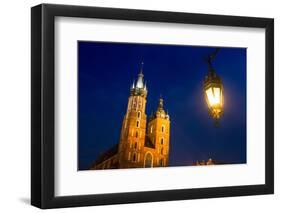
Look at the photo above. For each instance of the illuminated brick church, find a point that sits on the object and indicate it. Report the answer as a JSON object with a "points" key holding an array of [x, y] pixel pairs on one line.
{"points": [[143, 142]]}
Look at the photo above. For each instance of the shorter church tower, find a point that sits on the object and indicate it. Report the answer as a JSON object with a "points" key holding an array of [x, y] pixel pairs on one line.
{"points": [[158, 132]]}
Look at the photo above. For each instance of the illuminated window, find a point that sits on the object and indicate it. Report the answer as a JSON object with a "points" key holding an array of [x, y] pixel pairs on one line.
{"points": [[151, 129], [138, 124]]}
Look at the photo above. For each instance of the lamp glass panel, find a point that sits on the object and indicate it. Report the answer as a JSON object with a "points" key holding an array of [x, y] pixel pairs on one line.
{"points": [[214, 96]]}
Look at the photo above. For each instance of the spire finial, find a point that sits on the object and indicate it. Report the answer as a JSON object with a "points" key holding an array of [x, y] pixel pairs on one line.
{"points": [[141, 68], [140, 81]]}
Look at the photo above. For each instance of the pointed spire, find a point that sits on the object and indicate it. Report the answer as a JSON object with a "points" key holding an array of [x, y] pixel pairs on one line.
{"points": [[160, 104], [167, 115], [140, 83], [133, 85], [139, 86], [141, 69]]}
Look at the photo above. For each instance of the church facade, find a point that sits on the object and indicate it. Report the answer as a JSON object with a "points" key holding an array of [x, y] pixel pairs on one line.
{"points": [[144, 140]]}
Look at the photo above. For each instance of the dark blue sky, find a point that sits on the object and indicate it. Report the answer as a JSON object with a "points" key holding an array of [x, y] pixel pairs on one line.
{"points": [[107, 70]]}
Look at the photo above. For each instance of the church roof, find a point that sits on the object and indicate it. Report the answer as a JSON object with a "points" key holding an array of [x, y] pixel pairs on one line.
{"points": [[107, 154]]}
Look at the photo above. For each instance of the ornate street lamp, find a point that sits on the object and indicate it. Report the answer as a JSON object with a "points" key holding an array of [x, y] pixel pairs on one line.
{"points": [[213, 90]]}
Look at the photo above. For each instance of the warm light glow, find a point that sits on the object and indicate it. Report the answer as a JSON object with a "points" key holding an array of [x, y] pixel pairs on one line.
{"points": [[214, 96]]}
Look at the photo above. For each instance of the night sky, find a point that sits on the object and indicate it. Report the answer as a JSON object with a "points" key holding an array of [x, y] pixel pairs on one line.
{"points": [[107, 70]]}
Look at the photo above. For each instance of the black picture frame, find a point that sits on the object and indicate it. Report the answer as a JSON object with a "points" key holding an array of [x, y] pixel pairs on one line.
{"points": [[43, 102]]}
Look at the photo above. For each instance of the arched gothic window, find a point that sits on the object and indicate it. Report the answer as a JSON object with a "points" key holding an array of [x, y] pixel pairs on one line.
{"points": [[134, 104], [161, 162], [148, 160], [129, 156], [134, 157]]}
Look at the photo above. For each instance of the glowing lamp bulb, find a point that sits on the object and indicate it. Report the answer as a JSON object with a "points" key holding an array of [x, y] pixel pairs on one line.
{"points": [[213, 90]]}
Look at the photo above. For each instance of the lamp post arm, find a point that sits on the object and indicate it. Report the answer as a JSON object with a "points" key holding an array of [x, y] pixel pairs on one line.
{"points": [[210, 58]]}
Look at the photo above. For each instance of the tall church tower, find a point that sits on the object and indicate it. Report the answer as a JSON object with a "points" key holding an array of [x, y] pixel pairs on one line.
{"points": [[139, 145], [133, 132], [158, 132]]}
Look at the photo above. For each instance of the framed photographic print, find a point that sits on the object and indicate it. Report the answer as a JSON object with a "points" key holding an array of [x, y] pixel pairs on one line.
{"points": [[139, 106]]}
